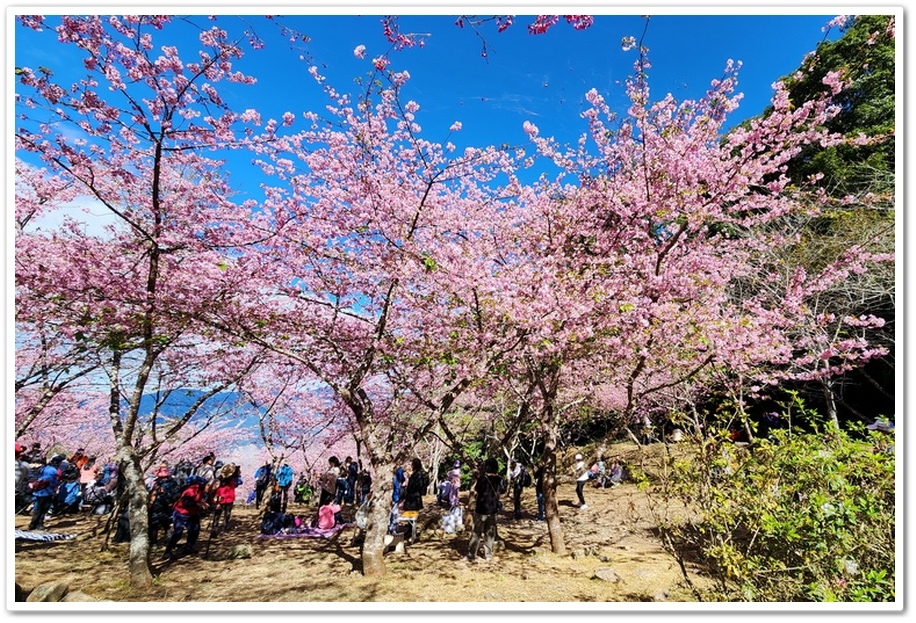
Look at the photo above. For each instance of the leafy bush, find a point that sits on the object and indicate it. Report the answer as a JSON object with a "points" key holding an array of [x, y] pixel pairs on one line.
{"points": [[798, 517]]}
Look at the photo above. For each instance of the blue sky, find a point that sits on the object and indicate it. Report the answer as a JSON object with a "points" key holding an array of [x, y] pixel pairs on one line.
{"points": [[543, 78], [537, 78]]}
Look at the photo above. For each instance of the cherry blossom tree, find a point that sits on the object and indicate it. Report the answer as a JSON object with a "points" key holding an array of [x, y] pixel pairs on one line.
{"points": [[631, 261], [386, 281], [378, 272], [133, 135]]}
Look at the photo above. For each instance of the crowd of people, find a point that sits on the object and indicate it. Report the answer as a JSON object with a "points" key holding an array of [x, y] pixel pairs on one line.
{"points": [[47, 486], [181, 495]]}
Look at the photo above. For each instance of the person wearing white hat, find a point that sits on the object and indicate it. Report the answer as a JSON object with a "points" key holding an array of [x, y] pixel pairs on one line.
{"points": [[580, 472]]}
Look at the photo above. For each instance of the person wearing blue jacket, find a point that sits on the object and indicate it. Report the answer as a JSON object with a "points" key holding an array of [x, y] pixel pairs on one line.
{"points": [[43, 490], [284, 481]]}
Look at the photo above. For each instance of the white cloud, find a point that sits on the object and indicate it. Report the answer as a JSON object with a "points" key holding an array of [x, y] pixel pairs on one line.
{"points": [[94, 218]]}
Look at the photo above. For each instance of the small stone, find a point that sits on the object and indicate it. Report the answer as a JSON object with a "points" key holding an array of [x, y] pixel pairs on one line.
{"points": [[78, 596], [52, 591], [607, 575]]}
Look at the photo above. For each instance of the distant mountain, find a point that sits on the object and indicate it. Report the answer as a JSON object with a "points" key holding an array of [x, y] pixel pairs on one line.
{"points": [[177, 403]]}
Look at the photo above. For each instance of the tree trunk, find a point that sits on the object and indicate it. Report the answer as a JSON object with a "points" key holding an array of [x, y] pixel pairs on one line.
{"points": [[830, 399], [550, 427], [373, 548], [551, 503], [137, 498]]}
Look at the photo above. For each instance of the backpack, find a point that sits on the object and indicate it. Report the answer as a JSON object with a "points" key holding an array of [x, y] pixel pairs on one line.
{"points": [[183, 471], [524, 478], [273, 523], [285, 477], [165, 494], [262, 476]]}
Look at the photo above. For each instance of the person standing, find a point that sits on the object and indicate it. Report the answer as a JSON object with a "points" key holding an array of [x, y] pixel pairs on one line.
{"points": [[261, 482], [417, 484], [329, 482], [206, 469], [454, 480], [580, 473], [397, 492], [539, 491], [486, 508], [21, 481], [517, 475], [43, 490], [352, 477], [284, 481], [162, 496], [365, 485], [187, 512], [230, 478]]}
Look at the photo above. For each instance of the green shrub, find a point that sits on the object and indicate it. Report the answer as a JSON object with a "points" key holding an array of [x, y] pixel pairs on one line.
{"points": [[800, 517]]}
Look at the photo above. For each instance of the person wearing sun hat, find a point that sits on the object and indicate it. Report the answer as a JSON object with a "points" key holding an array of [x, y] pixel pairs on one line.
{"points": [[163, 493]]}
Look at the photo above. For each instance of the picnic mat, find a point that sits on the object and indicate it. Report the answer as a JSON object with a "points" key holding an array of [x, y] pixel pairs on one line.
{"points": [[34, 535]]}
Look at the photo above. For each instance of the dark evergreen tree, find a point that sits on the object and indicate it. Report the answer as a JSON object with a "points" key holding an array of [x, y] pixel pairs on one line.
{"points": [[865, 54]]}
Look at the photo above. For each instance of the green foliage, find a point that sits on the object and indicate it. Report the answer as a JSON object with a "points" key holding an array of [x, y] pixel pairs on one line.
{"points": [[865, 54], [804, 517]]}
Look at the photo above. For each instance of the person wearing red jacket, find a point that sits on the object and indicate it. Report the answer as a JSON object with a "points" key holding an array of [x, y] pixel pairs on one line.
{"points": [[228, 481], [192, 504]]}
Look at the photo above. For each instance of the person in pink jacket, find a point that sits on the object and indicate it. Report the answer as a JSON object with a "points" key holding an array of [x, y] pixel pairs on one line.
{"points": [[228, 481]]}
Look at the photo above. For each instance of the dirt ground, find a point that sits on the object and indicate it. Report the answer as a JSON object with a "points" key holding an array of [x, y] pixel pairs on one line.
{"points": [[611, 556]]}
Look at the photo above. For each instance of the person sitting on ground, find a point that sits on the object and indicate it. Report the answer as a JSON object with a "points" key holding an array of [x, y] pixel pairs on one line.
{"points": [[328, 516], [69, 495], [615, 473], [598, 473]]}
